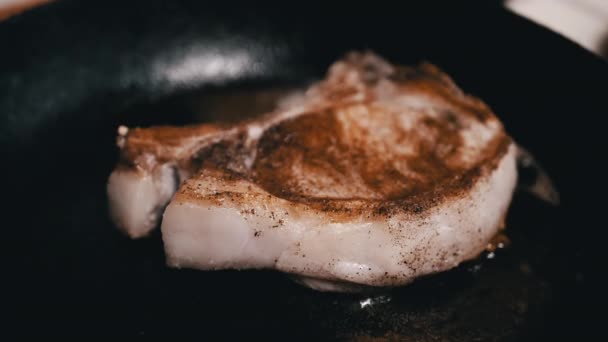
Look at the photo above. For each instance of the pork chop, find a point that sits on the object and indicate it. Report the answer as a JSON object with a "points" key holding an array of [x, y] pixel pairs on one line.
{"points": [[374, 176]]}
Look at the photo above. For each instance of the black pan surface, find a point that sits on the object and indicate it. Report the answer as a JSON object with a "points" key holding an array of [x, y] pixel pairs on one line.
{"points": [[70, 72]]}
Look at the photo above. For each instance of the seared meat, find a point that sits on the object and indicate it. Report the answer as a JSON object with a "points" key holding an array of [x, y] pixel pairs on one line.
{"points": [[372, 177]]}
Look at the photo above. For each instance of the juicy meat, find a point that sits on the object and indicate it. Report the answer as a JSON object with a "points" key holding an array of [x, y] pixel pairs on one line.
{"points": [[372, 177]]}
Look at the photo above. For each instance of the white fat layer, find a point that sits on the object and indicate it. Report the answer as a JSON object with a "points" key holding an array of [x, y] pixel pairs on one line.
{"points": [[136, 198], [331, 255]]}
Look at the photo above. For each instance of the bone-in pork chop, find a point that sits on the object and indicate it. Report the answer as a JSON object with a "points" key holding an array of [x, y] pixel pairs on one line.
{"points": [[374, 176]]}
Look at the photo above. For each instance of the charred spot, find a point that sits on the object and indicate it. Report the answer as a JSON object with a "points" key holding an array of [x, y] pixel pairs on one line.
{"points": [[404, 74], [382, 210], [452, 120]]}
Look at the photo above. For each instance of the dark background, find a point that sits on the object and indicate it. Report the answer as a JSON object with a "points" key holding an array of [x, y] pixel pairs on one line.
{"points": [[70, 72]]}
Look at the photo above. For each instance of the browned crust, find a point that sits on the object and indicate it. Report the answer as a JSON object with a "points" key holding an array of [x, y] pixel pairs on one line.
{"points": [[431, 79], [413, 202], [145, 148], [317, 141]]}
